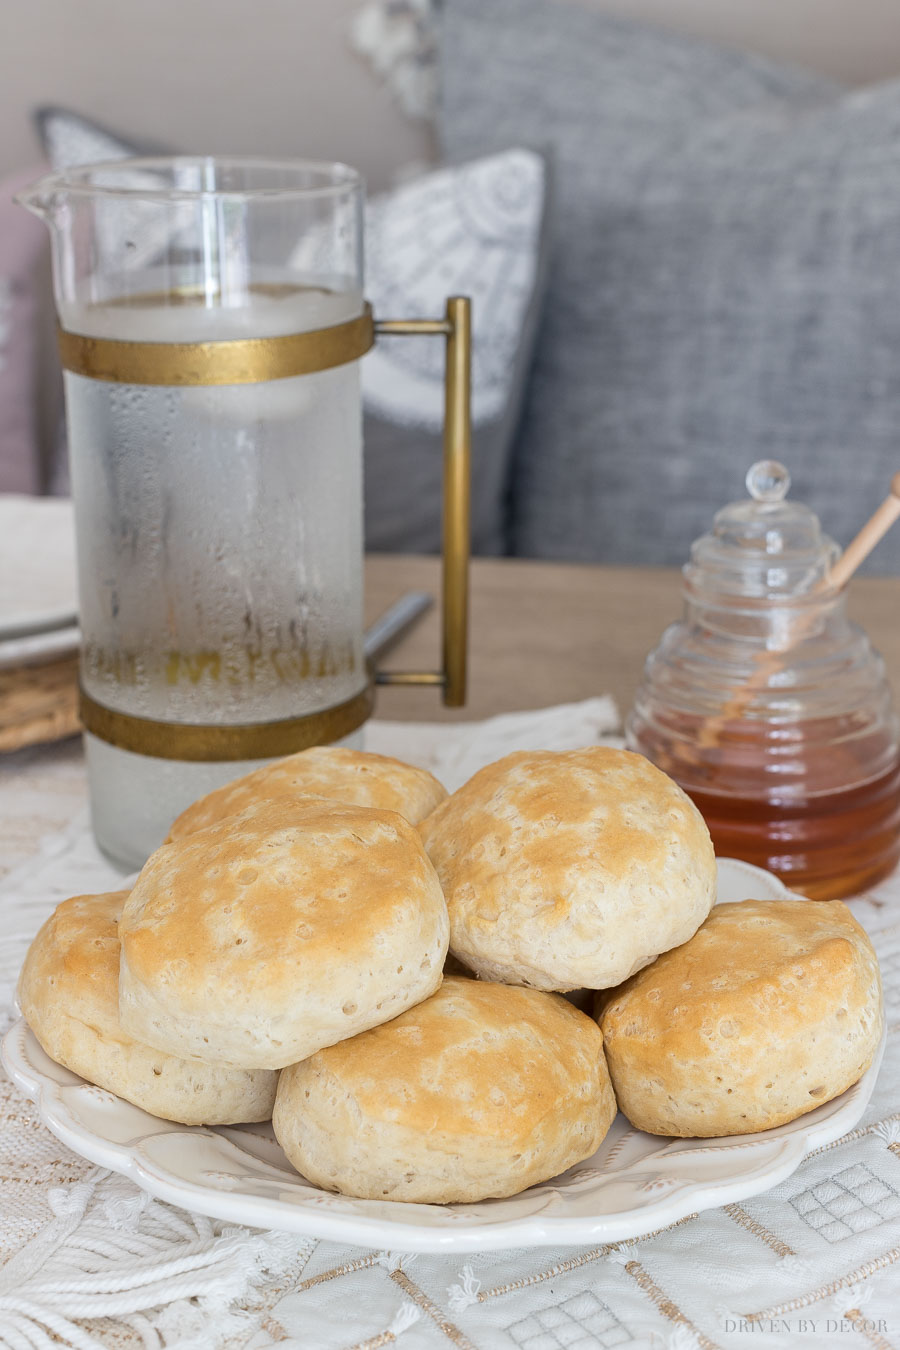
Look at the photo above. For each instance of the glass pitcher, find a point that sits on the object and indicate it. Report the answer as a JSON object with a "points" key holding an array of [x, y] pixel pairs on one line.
{"points": [[211, 321], [770, 708]]}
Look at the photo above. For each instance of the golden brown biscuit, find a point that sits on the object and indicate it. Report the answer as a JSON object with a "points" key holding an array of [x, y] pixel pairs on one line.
{"points": [[772, 1008], [263, 938], [570, 869], [332, 771], [68, 992], [482, 1090]]}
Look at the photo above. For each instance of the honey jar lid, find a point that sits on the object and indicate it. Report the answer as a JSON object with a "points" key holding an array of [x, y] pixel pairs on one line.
{"points": [[764, 546]]}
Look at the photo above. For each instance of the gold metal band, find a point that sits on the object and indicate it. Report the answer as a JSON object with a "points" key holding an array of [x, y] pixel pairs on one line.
{"points": [[238, 361], [430, 677], [248, 740]]}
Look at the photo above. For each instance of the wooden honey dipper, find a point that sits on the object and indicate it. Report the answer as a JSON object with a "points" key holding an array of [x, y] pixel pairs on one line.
{"points": [[767, 662]]}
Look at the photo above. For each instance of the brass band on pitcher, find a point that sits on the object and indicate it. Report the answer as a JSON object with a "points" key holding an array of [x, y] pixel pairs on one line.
{"points": [[248, 740], [230, 361]]}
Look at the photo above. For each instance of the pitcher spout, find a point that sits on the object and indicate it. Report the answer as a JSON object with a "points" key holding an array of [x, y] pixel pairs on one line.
{"points": [[43, 198]]}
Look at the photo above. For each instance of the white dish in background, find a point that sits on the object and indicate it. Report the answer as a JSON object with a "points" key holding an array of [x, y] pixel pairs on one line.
{"points": [[634, 1184], [38, 648], [37, 565]]}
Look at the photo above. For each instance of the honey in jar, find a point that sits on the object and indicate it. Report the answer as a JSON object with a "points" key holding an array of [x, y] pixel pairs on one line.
{"points": [[770, 708]]}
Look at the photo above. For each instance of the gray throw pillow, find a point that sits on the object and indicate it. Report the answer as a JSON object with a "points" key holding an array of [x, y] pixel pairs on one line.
{"points": [[473, 229], [722, 284]]}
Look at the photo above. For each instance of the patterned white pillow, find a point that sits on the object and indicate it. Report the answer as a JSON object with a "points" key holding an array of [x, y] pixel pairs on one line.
{"points": [[469, 230]]}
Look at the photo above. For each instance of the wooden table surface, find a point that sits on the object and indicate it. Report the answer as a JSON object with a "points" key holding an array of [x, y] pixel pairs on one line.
{"points": [[541, 633], [544, 633]]}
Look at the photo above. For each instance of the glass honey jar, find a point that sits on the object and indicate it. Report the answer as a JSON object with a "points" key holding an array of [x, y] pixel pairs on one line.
{"points": [[770, 708]]}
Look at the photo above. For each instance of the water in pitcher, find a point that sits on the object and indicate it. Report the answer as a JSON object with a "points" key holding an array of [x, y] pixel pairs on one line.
{"points": [[220, 546]]}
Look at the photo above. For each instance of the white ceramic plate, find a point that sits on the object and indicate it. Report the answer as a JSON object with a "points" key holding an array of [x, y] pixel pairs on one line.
{"points": [[37, 565], [635, 1183]]}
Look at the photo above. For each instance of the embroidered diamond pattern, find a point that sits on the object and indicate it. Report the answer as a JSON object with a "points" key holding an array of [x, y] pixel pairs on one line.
{"points": [[850, 1202], [582, 1322]]}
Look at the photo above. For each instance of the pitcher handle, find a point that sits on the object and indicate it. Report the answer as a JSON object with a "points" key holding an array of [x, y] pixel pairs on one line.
{"points": [[456, 327]]}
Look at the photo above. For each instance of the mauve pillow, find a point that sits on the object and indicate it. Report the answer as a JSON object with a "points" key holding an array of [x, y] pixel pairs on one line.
{"points": [[24, 251]]}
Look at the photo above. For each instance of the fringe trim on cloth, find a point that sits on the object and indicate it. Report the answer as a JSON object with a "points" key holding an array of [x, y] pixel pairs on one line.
{"points": [[181, 1280]]}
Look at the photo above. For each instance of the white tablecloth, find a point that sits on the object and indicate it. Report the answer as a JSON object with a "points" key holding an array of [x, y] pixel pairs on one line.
{"points": [[87, 1260]]}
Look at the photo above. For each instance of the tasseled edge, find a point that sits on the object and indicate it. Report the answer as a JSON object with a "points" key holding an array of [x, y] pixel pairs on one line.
{"points": [[171, 1275]]}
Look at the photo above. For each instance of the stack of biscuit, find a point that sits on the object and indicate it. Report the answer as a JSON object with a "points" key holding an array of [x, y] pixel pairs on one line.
{"points": [[284, 952]]}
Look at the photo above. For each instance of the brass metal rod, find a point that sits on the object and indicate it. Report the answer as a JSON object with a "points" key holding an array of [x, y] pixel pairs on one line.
{"points": [[432, 677], [457, 329], [457, 499], [413, 327]]}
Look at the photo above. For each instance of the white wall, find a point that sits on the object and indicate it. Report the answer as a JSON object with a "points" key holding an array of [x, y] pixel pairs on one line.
{"points": [[239, 76], [857, 41], [277, 76]]}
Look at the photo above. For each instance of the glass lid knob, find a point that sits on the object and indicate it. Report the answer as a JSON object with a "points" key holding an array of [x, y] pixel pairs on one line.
{"points": [[768, 481], [766, 546]]}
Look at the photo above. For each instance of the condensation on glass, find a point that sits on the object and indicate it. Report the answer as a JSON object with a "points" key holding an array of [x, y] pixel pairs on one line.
{"points": [[219, 527]]}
